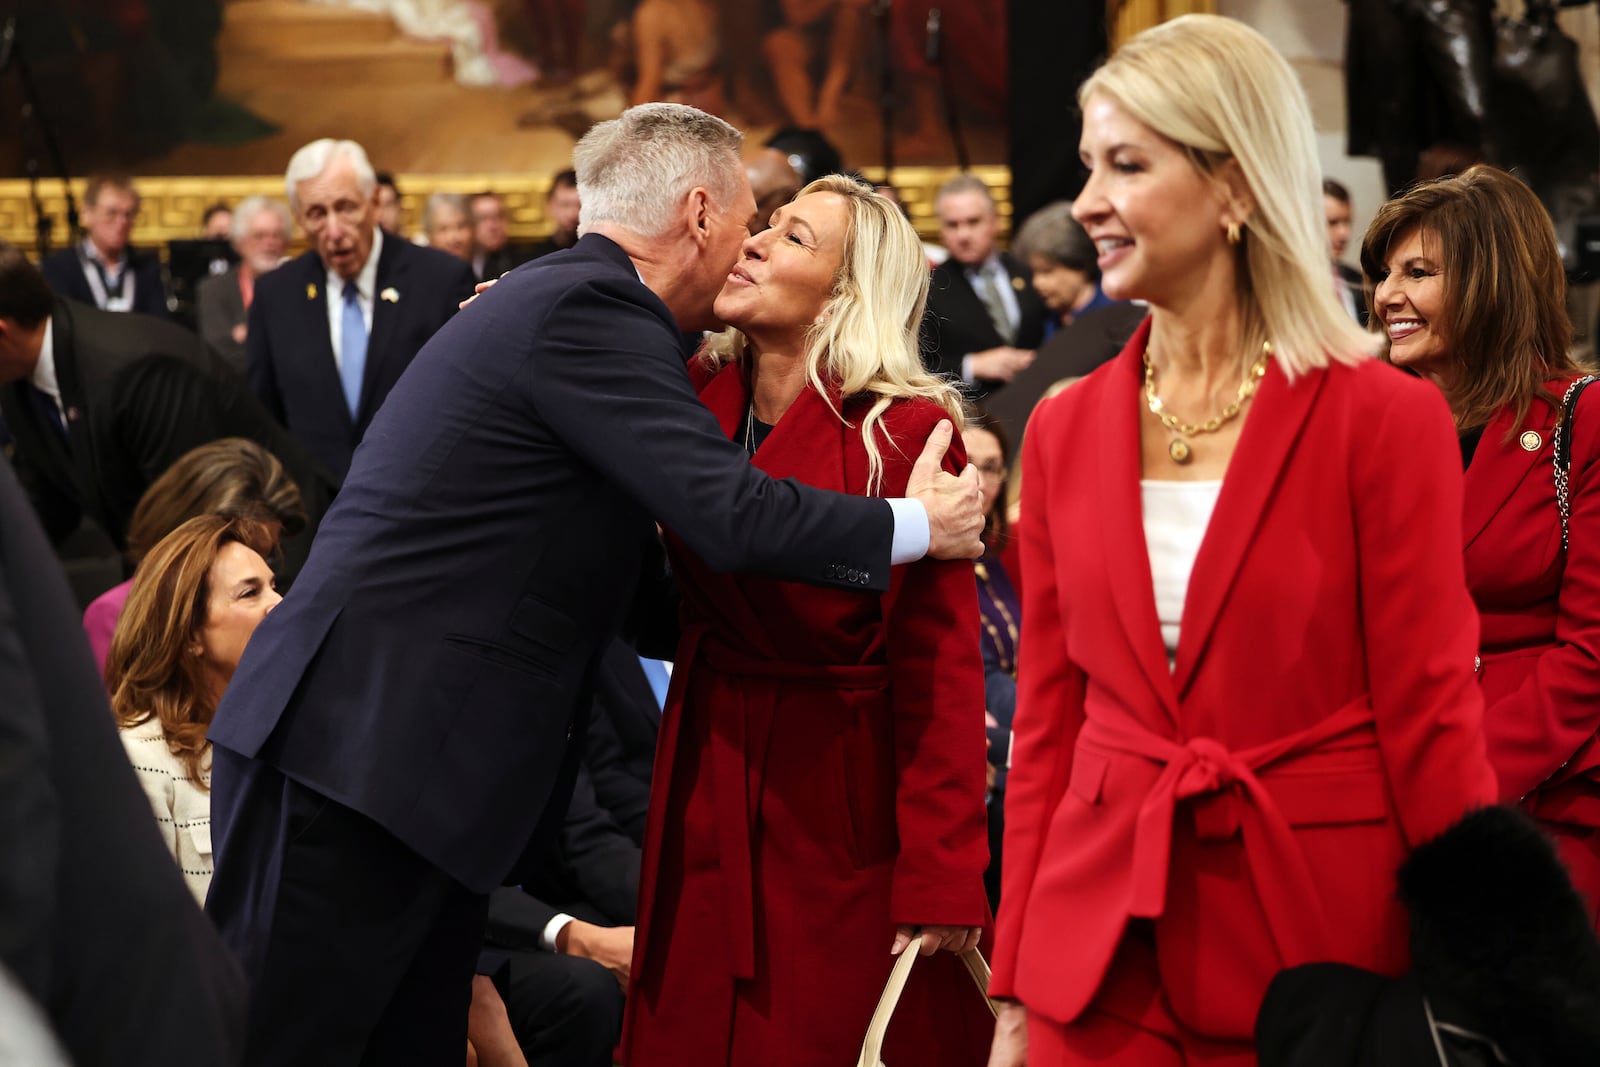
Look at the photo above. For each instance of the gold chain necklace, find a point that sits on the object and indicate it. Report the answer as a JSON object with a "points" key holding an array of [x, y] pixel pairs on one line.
{"points": [[1179, 449]]}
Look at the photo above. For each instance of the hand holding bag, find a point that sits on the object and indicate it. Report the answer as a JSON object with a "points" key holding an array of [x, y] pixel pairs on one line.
{"points": [[872, 1047]]}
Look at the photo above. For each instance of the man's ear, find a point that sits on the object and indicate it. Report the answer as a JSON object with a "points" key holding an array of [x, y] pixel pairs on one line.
{"points": [[700, 213]]}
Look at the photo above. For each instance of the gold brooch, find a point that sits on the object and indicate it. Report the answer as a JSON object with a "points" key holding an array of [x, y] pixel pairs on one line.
{"points": [[311, 291], [1531, 440], [391, 294], [1018, 284]]}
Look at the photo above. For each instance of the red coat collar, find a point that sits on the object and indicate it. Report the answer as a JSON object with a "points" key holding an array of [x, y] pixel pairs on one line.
{"points": [[1497, 468]]}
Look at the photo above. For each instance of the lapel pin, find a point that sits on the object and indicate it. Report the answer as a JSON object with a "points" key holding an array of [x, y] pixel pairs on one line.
{"points": [[72, 414], [1531, 440], [391, 294], [1018, 284], [311, 291]]}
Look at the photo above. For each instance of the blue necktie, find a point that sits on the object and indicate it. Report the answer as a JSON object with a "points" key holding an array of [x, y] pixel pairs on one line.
{"points": [[656, 674], [352, 349]]}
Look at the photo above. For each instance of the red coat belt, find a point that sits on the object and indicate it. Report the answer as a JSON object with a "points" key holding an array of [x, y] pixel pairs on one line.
{"points": [[1202, 768]]}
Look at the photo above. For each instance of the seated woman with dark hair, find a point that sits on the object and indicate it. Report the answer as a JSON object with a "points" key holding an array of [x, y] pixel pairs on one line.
{"points": [[195, 601], [230, 476]]}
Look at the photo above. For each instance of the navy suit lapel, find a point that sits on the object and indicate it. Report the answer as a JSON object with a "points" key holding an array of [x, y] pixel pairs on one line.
{"points": [[312, 297], [390, 280], [965, 307]]}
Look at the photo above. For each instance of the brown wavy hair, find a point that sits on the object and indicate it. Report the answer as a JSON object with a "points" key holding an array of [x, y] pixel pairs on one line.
{"points": [[1505, 289], [229, 476], [148, 671]]}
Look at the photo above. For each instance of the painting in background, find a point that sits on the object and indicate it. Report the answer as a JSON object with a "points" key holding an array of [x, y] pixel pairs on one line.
{"points": [[487, 86]]}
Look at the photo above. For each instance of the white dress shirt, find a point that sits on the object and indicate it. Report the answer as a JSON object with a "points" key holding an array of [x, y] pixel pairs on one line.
{"points": [[44, 372], [366, 282]]}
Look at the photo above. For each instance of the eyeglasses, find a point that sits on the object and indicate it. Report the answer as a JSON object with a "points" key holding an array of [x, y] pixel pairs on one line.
{"points": [[992, 469]]}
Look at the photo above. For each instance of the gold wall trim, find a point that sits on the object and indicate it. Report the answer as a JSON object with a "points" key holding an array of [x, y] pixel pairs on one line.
{"points": [[171, 208]]}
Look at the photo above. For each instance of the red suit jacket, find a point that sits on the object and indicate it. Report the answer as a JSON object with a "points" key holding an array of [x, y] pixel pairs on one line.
{"points": [[1322, 717], [819, 778], [1540, 616]]}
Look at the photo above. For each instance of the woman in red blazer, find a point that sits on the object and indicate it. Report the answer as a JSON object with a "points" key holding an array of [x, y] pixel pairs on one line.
{"points": [[1246, 682], [818, 792], [1470, 287]]}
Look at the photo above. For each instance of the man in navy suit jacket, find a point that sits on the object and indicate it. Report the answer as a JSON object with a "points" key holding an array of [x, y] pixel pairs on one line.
{"points": [[321, 357], [102, 270], [405, 721]]}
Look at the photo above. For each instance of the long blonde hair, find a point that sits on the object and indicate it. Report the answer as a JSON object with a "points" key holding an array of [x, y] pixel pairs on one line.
{"points": [[866, 339], [1218, 90]]}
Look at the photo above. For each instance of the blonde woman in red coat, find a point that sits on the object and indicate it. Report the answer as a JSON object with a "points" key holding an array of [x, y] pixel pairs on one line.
{"points": [[1246, 684], [818, 794], [1469, 285]]}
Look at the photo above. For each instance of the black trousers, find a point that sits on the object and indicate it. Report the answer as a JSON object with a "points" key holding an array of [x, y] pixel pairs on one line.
{"points": [[565, 1011], [359, 953]]}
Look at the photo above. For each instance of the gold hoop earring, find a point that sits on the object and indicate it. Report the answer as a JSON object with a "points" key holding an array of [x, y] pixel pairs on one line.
{"points": [[1234, 233]]}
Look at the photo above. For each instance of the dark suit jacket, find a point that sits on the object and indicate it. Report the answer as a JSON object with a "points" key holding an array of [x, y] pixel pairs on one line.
{"points": [[508, 258], [443, 638], [291, 356], [1356, 285], [97, 923], [219, 307], [1093, 338], [622, 738], [139, 393], [957, 325], [64, 271]]}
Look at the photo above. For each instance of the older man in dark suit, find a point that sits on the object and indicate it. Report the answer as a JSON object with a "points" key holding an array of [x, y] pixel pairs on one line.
{"points": [[102, 270], [403, 723], [100, 404], [984, 320], [96, 922], [331, 331]]}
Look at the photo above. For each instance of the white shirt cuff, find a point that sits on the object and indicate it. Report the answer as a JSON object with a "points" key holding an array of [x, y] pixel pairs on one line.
{"points": [[911, 535], [552, 930], [966, 370]]}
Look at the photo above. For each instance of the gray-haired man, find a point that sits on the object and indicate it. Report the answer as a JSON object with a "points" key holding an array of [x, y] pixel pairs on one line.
{"points": [[331, 331]]}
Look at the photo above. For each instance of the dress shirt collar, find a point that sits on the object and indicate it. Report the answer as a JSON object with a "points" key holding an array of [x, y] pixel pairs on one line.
{"points": [[366, 281], [44, 372], [92, 254]]}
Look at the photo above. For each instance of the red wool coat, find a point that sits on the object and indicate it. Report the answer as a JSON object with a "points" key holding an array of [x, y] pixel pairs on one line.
{"points": [[819, 778], [1540, 616], [1323, 716]]}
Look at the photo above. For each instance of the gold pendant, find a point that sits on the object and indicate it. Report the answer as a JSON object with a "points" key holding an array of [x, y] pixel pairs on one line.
{"points": [[1179, 451]]}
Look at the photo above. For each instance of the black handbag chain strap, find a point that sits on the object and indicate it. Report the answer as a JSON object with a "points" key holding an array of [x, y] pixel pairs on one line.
{"points": [[1563, 450]]}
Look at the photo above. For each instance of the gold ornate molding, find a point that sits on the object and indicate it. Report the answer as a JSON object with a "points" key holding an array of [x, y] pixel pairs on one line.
{"points": [[171, 208]]}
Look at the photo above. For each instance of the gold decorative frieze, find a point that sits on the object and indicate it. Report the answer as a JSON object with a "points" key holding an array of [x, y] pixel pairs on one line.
{"points": [[171, 208]]}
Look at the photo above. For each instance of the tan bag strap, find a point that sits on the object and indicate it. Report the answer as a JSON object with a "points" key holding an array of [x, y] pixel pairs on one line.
{"points": [[872, 1047]]}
